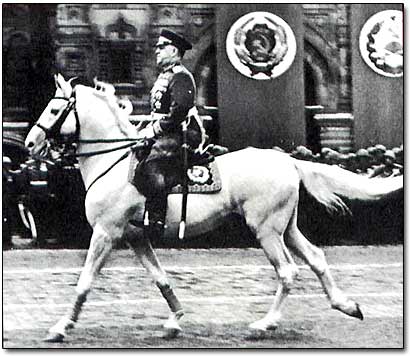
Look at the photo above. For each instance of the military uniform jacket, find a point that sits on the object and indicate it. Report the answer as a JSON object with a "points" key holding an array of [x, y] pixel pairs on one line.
{"points": [[172, 95]]}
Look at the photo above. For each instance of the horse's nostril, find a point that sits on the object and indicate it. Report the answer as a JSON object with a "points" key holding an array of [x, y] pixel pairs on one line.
{"points": [[30, 144]]}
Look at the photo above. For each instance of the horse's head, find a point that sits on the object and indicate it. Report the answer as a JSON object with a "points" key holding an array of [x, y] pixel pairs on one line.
{"points": [[97, 106], [58, 118]]}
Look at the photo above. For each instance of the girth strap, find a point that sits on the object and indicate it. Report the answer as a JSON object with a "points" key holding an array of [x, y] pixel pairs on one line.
{"points": [[125, 155]]}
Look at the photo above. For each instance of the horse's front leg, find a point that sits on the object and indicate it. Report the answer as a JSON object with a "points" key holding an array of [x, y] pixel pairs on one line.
{"points": [[100, 247], [146, 255]]}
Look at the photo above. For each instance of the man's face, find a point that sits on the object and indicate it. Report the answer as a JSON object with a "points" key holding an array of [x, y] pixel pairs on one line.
{"points": [[165, 52]]}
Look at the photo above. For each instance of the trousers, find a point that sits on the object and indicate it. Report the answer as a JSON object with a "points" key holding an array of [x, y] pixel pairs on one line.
{"points": [[155, 179], [160, 168]]}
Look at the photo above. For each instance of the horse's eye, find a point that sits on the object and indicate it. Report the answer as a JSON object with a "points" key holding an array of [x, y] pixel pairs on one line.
{"points": [[55, 111]]}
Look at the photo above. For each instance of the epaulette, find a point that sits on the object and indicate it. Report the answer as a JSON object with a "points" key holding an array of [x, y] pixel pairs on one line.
{"points": [[178, 68]]}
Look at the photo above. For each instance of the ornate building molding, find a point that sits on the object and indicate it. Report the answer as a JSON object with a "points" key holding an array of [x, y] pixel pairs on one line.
{"points": [[86, 36]]}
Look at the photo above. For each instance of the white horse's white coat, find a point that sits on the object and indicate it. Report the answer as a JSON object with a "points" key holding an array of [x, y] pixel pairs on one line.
{"points": [[260, 185]]}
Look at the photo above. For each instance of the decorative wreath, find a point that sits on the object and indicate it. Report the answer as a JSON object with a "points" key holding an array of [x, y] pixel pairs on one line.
{"points": [[199, 174], [385, 46], [381, 43], [261, 48]]}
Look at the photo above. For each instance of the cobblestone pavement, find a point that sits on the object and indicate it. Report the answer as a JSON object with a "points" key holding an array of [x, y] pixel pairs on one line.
{"points": [[215, 286]]}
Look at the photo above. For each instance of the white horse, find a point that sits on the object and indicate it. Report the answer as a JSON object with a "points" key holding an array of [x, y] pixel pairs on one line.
{"points": [[261, 185]]}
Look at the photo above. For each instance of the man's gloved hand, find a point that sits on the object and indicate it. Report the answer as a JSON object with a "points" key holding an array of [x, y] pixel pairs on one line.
{"points": [[147, 132]]}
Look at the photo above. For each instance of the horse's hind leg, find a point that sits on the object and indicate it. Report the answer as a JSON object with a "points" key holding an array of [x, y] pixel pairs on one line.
{"points": [[146, 255], [315, 258], [100, 246], [286, 269]]}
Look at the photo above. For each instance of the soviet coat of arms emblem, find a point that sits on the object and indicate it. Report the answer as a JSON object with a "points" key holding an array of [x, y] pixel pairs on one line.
{"points": [[381, 43], [261, 45]]}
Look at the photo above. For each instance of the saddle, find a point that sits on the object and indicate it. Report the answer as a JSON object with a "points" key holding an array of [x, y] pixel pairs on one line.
{"points": [[203, 173]]}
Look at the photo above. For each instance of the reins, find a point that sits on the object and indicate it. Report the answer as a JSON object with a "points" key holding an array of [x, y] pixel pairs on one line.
{"points": [[54, 130], [100, 152], [124, 156], [107, 140]]}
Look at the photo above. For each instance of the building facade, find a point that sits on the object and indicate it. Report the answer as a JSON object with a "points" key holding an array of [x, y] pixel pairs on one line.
{"points": [[114, 42]]}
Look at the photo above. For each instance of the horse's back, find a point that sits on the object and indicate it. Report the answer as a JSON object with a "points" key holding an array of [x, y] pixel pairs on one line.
{"points": [[255, 172], [257, 163]]}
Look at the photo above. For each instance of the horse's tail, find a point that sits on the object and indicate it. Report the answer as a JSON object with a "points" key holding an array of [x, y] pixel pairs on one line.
{"points": [[329, 184]]}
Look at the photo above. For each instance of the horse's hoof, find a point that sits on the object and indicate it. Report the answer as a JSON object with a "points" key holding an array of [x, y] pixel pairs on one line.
{"points": [[54, 337], [172, 333], [172, 324], [358, 313], [351, 308], [271, 327], [262, 325], [257, 326]]}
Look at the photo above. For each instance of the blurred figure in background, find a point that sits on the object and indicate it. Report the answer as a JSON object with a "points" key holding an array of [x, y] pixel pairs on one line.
{"points": [[389, 168], [379, 154], [303, 153], [398, 151], [364, 162], [351, 162], [373, 156]]}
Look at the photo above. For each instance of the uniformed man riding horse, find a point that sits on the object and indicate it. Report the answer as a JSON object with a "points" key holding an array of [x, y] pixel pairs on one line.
{"points": [[172, 102]]}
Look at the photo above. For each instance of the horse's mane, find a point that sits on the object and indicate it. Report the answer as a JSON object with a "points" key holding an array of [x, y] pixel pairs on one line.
{"points": [[120, 107]]}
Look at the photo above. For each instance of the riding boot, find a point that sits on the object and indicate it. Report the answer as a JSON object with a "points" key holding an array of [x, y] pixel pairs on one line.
{"points": [[156, 208], [155, 230]]}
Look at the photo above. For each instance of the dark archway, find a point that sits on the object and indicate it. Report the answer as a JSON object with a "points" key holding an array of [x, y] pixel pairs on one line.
{"points": [[311, 98], [28, 58], [17, 72], [206, 78], [207, 90]]}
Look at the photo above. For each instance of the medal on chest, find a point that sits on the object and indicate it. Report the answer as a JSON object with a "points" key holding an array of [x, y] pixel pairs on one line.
{"points": [[158, 90]]}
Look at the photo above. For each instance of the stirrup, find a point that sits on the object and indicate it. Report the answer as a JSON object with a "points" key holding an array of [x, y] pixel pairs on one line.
{"points": [[137, 223], [154, 230], [151, 223]]}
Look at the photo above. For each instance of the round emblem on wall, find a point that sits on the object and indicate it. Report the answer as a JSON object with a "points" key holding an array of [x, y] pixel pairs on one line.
{"points": [[261, 45], [381, 43]]}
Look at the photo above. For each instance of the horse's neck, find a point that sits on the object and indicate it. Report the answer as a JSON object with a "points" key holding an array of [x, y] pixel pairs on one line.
{"points": [[102, 127]]}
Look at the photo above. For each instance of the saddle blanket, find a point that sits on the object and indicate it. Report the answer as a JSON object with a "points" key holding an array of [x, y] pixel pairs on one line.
{"points": [[202, 179]]}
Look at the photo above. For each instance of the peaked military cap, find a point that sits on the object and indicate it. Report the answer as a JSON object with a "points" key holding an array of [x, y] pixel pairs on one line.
{"points": [[390, 153], [362, 153], [381, 148], [177, 40]]}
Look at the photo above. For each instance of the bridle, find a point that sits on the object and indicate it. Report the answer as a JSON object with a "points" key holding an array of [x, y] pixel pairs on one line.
{"points": [[54, 130]]}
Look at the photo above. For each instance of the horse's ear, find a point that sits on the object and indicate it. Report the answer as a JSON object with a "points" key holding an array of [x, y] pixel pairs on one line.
{"points": [[72, 79], [56, 81], [64, 85]]}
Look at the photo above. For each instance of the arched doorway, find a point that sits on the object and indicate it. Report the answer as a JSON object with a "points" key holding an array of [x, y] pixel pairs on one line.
{"points": [[312, 107], [207, 90], [206, 79], [311, 98]]}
